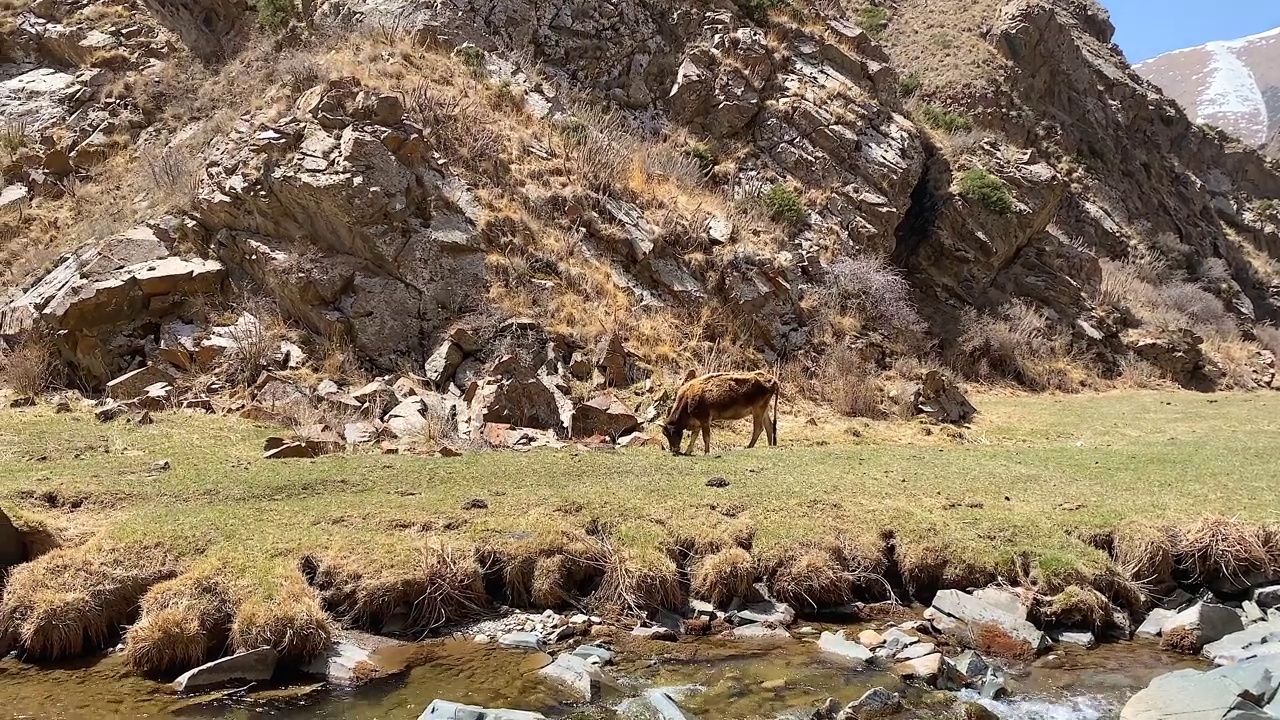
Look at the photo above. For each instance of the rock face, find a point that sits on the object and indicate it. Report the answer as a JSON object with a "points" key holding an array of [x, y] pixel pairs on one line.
{"points": [[1244, 690], [257, 664], [1257, 640], [205, 27]]}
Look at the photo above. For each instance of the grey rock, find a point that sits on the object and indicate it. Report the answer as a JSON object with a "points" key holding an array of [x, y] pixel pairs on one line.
{"points": [[1266, 597], [760, 631], [1258, 639], [253, 665], [1207, 623], [993, 687], [933, 670], [655, 633], [895, 641], [445, 710], [768, 611], [1252, 613], [972, 611], [1235, 691], [522, 641], [665, 706], [918, 650], [1083, 639], [1179, 600], [580, 676], [594, 653], [353, 659], [669, 620], [836, 644], [1150, 628], [972, 664], [874, 703], [1003, 599]]}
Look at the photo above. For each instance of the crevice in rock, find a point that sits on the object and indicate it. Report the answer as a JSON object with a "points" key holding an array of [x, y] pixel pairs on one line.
{"points": [[921, 217]]}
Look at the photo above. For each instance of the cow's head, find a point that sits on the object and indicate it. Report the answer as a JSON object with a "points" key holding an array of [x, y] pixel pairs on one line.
{"points": [[674, 434]]}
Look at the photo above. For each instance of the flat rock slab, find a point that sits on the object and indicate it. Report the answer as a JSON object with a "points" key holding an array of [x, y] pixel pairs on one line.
{"points": [[777, 613], [971, 611], [918, 650], [1233, 691], [1150, 628], [760, 631], [655, 633], [594, 653], [933, 670], [1258, 639], [522, 641], [665, 706], [581, 677], [248, 666], [356, 658], [1203, 624], [1083, 639], [445, 710], [836, 644]]}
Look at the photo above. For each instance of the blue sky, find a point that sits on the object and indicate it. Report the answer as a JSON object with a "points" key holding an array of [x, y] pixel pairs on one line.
{"points": [[1146, 28]]}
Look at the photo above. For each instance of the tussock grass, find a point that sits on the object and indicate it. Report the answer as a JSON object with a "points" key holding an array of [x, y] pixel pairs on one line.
{"points": [[288, 618], [182, 622], [1079, 607], [720, 577]]}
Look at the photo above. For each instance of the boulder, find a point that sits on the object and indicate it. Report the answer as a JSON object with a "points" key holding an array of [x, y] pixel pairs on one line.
{"points": [[1003, 599], [443, 363], [1083, 639], [603, 415], [664, 705], [407, 420], [836, 644], [445, 710], [594, 653], [354, 659], [519, 398], [617, 366], [522, 641], [360, 433], [1151, 626], [654, 633], [971, 664], [972, 612], [250, 666], [1266, 597], [760, 631], [933, 670], [768, 611], [1259, 639], [895, 641], [1199, 625], [874, 703], [1239, 691], [134, 384], [915, 651], [581, 676], [870, 639]]}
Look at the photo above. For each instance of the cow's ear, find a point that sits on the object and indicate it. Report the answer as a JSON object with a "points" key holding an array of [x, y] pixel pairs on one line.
{"points": [[690, 375]]}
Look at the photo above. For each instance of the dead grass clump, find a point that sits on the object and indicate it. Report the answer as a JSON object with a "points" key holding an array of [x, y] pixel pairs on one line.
{"points": [[550, 571], [442, 584], [71, 602], [991, 639], [1020, 346], [835, 573], [1078, 607], [1239, 362], [31, 368], [288, 618], [1183, 640], [720, 577], [1144, 554], [877, 297], [851, 384], [183, 622], [636, 581], [1221, 548]]}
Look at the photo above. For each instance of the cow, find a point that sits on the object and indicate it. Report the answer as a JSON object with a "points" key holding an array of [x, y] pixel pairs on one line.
{"points": [[722, 396]]}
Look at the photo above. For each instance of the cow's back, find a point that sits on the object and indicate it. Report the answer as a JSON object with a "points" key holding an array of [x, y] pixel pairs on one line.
{"points": [[726, 396]]}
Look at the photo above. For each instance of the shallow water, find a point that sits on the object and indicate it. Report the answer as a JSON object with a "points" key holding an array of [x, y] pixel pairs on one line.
{"points": [[716, 680]]}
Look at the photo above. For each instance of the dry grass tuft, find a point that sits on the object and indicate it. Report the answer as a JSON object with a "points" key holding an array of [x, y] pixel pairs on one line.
{"points": [[720, 577], [1183, 640], [288, 618], [991, 639], [1144, 553], [1218, 547], [1079, 607], [1022, 346], [31, 368], [810, 577], [71, 602], [550, 571], [183, 622], [635, 581], [441, 584]]}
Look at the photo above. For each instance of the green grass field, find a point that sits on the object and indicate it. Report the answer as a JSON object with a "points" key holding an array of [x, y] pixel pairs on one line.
{"points": [[1029, 474]]}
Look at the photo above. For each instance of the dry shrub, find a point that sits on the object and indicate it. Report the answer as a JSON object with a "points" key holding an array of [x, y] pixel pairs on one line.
{"points": [[991, 639], [1269, 338], [1079, 607], [443, 584], [850, 384], [876, 295], [1221, 548], [183, 622], [1144, 553], [71, 602], [1183, 640], [1239, 361], [549, 571], [720, 577], [1124, 592], [31, 368], [824, 575], [289, 619], [1020, 346]]}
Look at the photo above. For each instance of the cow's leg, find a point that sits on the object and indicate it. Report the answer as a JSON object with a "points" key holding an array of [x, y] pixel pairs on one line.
{"points": [[757, 424], [771, 427], [693, 438], [706, 438]]}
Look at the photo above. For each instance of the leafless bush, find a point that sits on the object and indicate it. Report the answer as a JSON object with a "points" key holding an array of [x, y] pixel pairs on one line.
{"points": [[1020, 346], [596, 147], [867, 288], [850, 384], [1203, 311], [300, 72], [31, 368]]}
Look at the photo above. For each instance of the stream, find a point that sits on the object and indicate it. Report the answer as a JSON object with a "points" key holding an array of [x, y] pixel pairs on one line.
{"points": [[712, 678]]}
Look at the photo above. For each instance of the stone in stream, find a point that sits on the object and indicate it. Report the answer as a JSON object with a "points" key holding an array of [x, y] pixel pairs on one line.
{"points": [[1237, 692], [1150, 628], [967, 610], [1083, 639], [975, 711], [870, 639], [445, 710], [836, 644], [594, 653], [253, 665], [1266, 597], [654, 633], [1251, 612], [933, 670], [895, 641], [1197, 626], [993, 687], [1258, 639], [874, 703], [777, 613], [971, 664], [522, 641], [1004, 600], [760, 631], [353, 659], [665, 706], [582, 677], [918, 650]]}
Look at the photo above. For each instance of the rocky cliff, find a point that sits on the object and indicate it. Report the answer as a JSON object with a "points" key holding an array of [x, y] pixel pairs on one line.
{"points": [[836, 187]]}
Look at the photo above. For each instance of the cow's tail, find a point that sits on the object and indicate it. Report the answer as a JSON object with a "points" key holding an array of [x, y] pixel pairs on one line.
{"points": [[777, 390]]}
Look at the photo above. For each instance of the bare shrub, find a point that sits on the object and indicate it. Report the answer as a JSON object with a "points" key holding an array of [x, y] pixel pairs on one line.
{"points": [[31, 368], [868, 288], [1019, 346], [850, 384], [174, 175]]}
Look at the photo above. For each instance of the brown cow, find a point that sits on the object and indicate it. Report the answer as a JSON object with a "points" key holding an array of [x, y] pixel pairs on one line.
{"points": [[722, 396]]}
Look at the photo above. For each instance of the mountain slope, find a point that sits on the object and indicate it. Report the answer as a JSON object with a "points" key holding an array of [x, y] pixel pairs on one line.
{"points": [[1233, 84]]}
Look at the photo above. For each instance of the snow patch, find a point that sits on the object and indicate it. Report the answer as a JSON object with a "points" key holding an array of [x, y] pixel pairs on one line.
{"points": [[1231, 88]]}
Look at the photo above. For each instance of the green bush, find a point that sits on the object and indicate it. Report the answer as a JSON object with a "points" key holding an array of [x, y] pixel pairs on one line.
{"points": [[275, 14], [704, 155], [982, 187], [1268, 208], [944, 120], [784, 205], [875, 20], [909, 85], [472, 57], [757, 11]]}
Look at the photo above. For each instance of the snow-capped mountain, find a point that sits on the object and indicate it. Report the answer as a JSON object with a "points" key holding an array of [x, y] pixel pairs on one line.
{"points": [[1233, 84]]}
